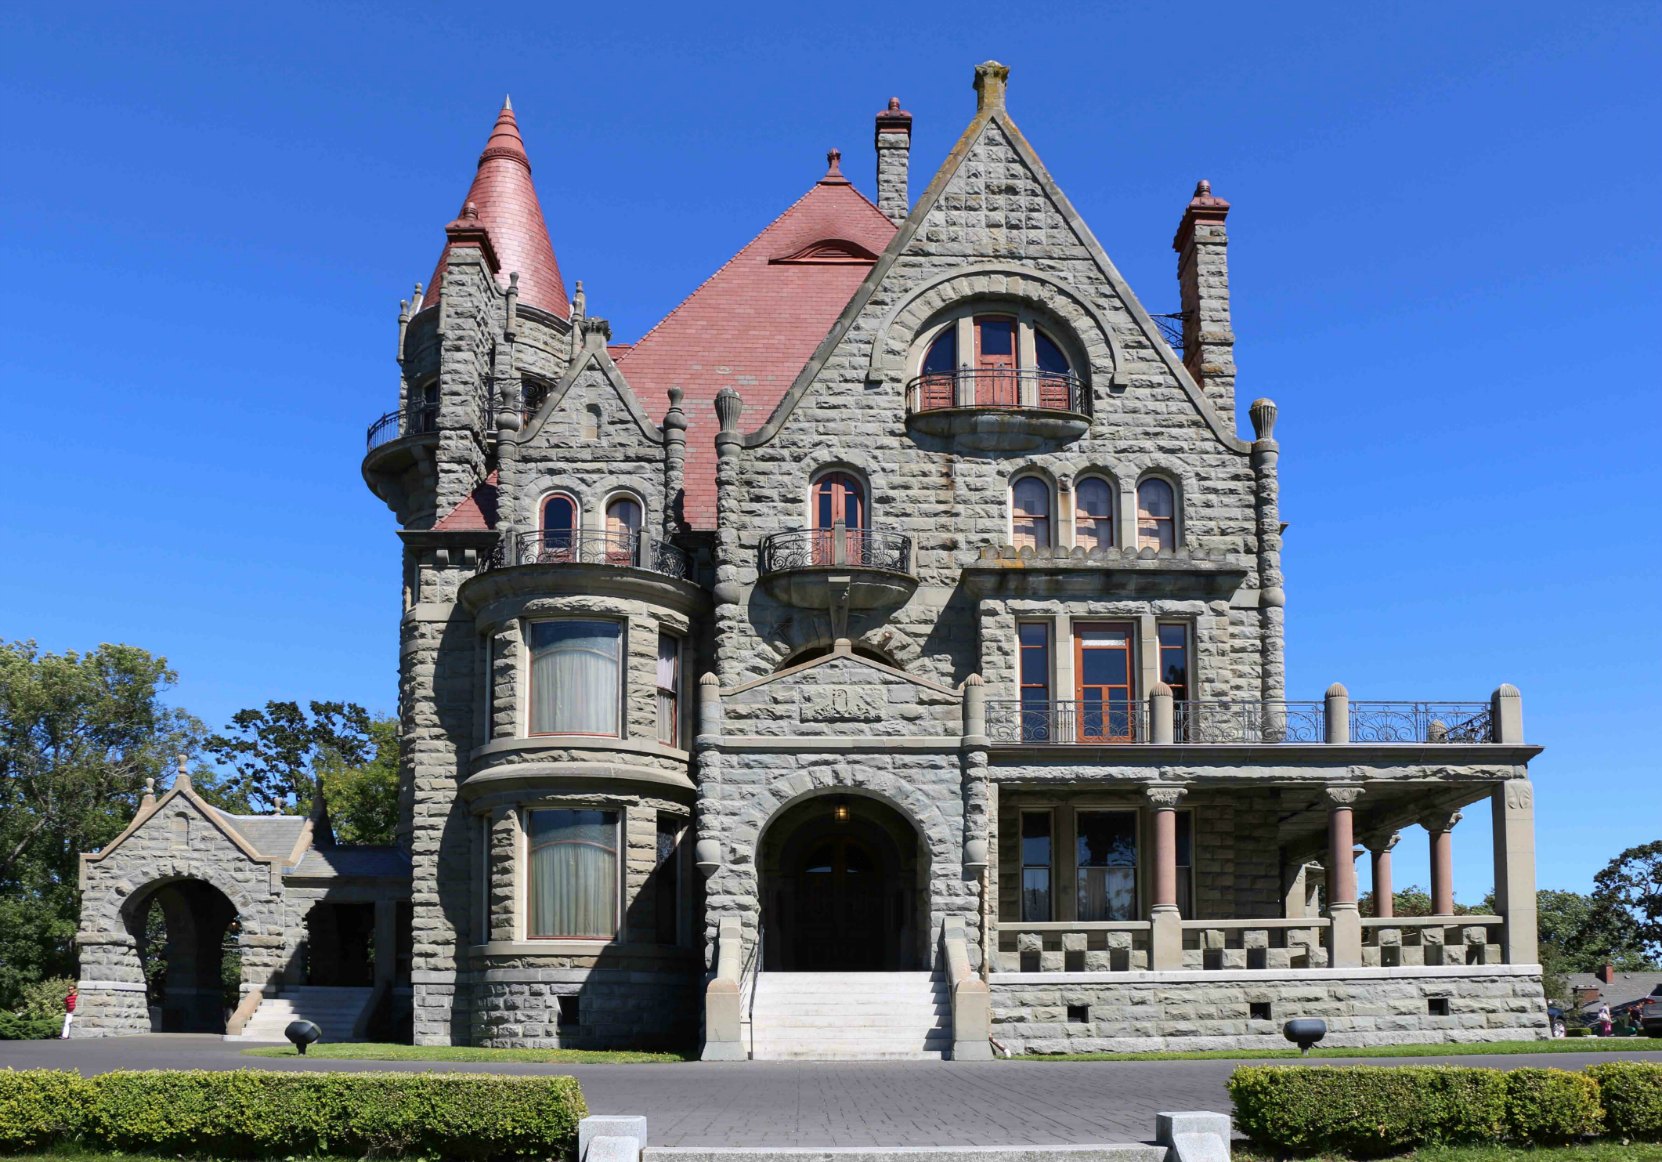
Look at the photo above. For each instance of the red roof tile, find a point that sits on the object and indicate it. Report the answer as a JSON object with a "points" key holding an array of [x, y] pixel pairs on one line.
{"points": [[756, 321], [475, 513], [509, 211]]}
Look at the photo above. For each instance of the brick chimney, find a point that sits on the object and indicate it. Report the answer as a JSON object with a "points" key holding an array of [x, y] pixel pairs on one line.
{"points": [[1608, 973], [894, 148], [1202, 246]]}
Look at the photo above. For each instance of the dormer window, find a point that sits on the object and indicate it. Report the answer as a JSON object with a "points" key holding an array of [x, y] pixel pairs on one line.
{"points": [[995, 360]]}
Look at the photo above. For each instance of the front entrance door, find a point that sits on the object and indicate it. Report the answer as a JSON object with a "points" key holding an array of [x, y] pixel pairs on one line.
{"points": [[839, 908]]}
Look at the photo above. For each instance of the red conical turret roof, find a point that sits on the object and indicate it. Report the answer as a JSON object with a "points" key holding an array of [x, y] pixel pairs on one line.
{"points": [[510, 213]]}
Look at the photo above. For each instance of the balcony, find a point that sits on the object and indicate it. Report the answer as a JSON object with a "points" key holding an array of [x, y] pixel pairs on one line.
{"points": [[838, 568], [415, 421], [624, 550], [1011, 722], [999, 409]]}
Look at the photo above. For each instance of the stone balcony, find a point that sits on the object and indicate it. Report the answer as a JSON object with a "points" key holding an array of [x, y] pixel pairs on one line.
{"points": [[602, 547], [998, 409], [838, 568]]}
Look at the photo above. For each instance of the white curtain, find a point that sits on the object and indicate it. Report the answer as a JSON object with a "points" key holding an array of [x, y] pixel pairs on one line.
{"points": [[574, 677], [1107, 893], [669, 665], [574, 874]]}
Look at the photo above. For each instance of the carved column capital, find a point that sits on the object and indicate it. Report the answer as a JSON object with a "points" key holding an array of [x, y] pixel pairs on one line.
{"points": [[1342, 796], [1380, 842], [1163, 797], [1438, 821]]}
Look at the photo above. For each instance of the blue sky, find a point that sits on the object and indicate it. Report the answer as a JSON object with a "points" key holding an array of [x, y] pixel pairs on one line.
{"points": [[1445, 264]]}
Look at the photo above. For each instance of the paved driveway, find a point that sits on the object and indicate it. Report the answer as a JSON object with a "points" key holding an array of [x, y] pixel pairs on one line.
{"points": [[784, 1103]]}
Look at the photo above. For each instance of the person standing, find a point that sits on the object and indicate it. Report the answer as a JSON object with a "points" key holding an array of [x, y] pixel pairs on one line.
{"points": [[69, 1002]]}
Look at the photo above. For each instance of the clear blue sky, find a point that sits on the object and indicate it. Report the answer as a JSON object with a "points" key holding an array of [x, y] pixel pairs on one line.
{"points": [[1445, 263]]}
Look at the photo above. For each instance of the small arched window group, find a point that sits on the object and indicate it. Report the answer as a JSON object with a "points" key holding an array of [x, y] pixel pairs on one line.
{"points": [[616, 542], [1033, 516]]}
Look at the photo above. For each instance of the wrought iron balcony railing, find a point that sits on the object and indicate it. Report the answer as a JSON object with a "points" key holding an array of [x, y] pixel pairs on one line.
{"points": [[836, 547], [1217, 722], [403, 422], [630, 550], [1007, 389], [1421, 722], [1259, 722], [1080, 722]]}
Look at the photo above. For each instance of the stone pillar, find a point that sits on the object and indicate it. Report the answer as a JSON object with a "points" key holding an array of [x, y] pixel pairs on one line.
{"points": [[1337, 714], [1202, 245], [675, 459], [1379, 848], [729, 590], [1166, 939], [1513, 804], [894, 148], [1341, 877], [1272, 599], [1161, 727], [1440, 827], [1506, 715]]}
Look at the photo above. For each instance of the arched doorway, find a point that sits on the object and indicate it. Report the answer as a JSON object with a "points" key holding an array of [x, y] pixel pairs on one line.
{"points": [[187, 933], [844, 888]]}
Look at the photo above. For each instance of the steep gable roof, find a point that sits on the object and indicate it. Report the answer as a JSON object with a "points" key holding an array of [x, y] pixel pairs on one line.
{"points": [[508, 209], [755, 322], [475, 512]]}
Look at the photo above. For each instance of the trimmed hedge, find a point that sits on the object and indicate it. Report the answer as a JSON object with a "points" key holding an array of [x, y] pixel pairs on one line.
{"points": [[1551, 1106], [1632, 1095], [22, 1027], [265, 1114], [1368, 1110]]}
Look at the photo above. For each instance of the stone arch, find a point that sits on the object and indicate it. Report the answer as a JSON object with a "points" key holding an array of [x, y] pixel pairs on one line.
{"points": [[197, 920], [994, 281]]}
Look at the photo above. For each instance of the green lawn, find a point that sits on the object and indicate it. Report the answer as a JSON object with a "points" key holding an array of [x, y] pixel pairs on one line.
{"points": [[1593, 1152], [379, 1052], [1568, 1045]]}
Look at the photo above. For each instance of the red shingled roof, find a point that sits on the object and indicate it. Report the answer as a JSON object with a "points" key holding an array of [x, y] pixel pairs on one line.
{"points": [[475, 513], [756, 321], [509, 211]]}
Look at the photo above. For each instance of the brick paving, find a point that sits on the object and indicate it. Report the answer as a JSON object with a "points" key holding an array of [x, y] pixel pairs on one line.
{"points": [[785, 1103]]}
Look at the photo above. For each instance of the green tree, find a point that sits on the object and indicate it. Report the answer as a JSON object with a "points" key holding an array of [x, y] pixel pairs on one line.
{"points": [[1629, 892], [273, 754], [79, 735], [363, 797], [1409, 902]]}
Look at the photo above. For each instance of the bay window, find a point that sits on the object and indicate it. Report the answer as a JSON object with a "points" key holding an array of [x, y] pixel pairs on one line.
{"points": [[573, 874], [575, 677]]}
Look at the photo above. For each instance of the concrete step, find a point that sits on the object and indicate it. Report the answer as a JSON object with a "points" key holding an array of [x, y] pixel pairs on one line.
{"points": [[1138, 1152], [334, 1010], [850, 1016]]}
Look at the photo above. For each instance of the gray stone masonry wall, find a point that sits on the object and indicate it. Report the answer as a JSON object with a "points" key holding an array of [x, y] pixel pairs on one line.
{"points": [[1196, 1010], [470, 321], [995, 210]]}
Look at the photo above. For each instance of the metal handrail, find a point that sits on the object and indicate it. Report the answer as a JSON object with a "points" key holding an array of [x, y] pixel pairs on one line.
{"points": [[1423, 722], [404, 422], [1001, 388], [753, 974], [632, 550], [837, 546], [1271, 721], [1067, 723]]}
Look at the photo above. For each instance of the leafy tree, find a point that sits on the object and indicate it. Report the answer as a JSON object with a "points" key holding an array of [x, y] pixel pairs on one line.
{"points": [[274, 753], [1629, 891], [79, 735], [1410, 901], [363, 798], [1576, 936]]}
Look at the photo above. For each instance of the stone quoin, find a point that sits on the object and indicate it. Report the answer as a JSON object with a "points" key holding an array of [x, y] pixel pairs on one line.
{"points": [[882, 656]]}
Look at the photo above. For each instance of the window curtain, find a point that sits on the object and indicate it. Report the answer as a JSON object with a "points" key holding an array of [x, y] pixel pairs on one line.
{"points": [[574, 864], [574, 677], [1107, 865], [669, 683]]}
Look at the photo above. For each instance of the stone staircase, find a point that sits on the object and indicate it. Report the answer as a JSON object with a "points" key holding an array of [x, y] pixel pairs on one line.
{"points": [[334, 1010], [850, 1016]]}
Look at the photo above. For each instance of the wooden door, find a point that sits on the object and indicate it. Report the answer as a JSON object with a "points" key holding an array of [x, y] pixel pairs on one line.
{"points": [[1102, 665], [839, 920], [996, 381], [839, 520]]}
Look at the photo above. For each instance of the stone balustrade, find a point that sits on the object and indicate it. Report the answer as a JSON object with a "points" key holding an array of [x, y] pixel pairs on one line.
{"points": [[1270, 944], [1101, 946], [1432, 941]]}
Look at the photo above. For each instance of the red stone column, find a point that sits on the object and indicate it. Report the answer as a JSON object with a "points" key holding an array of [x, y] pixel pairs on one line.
{"points": [[1379, 848], [1345, 938], [1166, 939], [1441, 830]]}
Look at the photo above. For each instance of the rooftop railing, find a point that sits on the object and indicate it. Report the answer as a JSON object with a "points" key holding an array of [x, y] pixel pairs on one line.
{"points": [[1209, 722], [996, 388]]}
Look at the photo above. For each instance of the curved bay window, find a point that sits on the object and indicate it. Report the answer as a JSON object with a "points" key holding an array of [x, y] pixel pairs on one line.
{"points": [[1093, 514], [1156, 515], [1030, 524], [575, 677], [573, 875], [995, 361], [559, 529], [839, 503], [623, 530]]}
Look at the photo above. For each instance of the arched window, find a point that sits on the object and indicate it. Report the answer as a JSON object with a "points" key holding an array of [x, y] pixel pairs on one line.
{"points": [[839, 512], [558, 542], [1052, 372], [1156, 515], [1093, 514], [623, 530], [1030, 513], [938, 385]]}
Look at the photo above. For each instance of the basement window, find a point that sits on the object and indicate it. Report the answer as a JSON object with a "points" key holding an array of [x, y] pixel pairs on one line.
{"points": [[568, 1011], [1079, 1014], [1437, 1006], [1260, 1011]]}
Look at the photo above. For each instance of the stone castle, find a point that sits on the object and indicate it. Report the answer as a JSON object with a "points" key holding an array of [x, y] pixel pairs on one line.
{"points": [[881, 656]]}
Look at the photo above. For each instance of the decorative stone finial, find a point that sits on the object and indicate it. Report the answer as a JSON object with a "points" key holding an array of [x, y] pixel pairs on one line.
{"points": [[709, 679], [975, 680], [471, 211], [596, 332], [150, 788], [894, 104], [1263, 413], [991, 79], [729, 405], [1337, 690], [675, 420], [181, 780]]}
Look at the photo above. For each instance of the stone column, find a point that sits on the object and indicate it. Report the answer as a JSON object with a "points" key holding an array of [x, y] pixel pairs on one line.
{"points": [[1346, 949], [1514, 814], [1440, 826], [1166, 941], [1379, 847], [1161, 726], [675, 458], [1267, 503]]}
